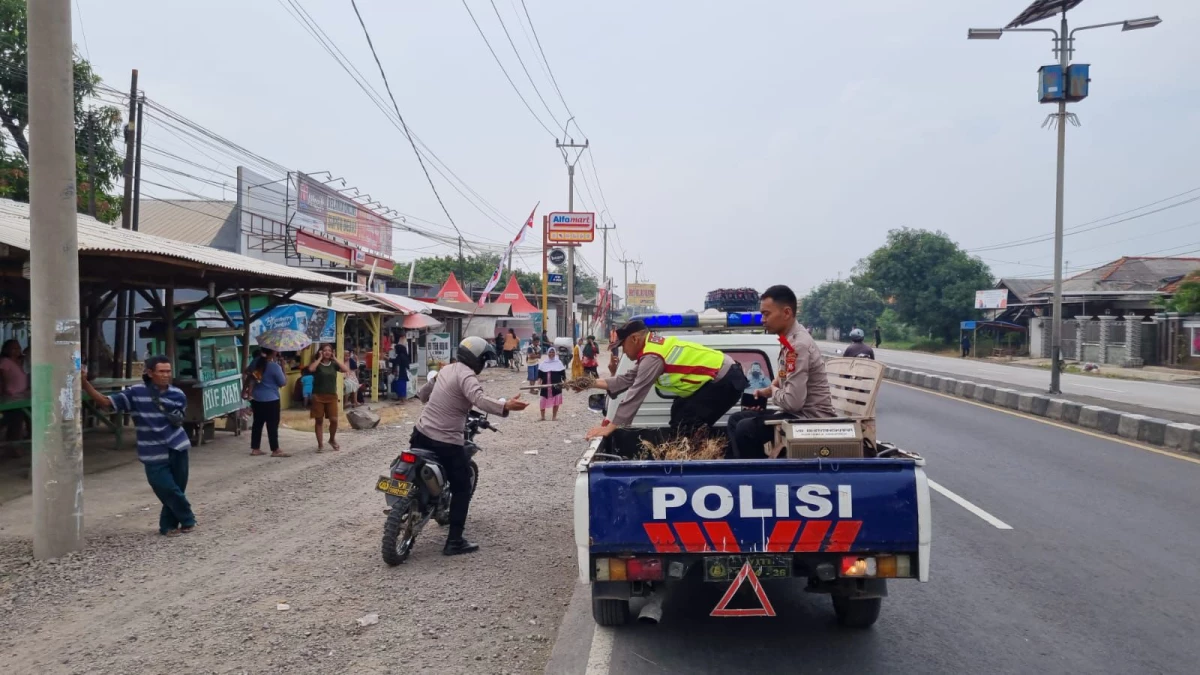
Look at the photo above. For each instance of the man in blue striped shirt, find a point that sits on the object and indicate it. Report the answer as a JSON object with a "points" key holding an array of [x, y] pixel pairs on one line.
{"points": [[162, 443]]}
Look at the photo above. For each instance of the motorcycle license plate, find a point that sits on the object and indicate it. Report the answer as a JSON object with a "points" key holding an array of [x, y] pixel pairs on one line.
{"points": [[393, 487], [725, 568]]}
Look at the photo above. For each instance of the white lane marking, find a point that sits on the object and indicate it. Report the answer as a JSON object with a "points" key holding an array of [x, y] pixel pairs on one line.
{"points": [[601, 652], [987, 517], [1088, 386]]}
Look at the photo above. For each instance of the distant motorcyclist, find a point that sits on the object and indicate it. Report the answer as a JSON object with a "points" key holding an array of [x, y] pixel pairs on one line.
{"points": [[857, 348], [448, 398]]}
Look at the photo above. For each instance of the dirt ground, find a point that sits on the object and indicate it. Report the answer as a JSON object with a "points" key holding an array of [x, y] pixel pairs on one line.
{"points": [[304, 532]]}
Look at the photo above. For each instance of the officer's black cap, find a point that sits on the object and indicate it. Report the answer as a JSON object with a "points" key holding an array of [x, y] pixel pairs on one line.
{"points": [[632, 328]]}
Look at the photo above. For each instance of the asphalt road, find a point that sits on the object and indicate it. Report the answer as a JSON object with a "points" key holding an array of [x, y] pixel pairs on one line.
{"points": [[1177, 398], [1097, 573]]}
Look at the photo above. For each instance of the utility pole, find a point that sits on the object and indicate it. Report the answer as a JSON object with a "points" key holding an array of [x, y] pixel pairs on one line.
{"points": [[123, 308], [131, 325], [565, 148], [627, 263], [545, 274], [54, 281], [604, 273], [460, 259]]}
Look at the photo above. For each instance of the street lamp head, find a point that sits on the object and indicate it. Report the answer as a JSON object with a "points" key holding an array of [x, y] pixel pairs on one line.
{"points": [[984, 33], [1135, 24]]}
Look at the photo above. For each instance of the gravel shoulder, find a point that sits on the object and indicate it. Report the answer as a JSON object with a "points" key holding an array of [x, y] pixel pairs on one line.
{"points": [[304, 532]]}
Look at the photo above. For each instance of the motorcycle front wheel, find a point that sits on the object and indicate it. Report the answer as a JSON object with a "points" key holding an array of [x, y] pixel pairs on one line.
{"points": [[399, 532]]}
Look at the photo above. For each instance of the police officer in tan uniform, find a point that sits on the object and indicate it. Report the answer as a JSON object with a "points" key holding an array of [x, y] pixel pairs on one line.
{"points": [[800, 388]]}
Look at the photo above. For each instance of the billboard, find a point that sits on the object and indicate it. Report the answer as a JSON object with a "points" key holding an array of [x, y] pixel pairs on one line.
{"points": [[996, 298], [640, 295], [571, 228], [323, 209]]}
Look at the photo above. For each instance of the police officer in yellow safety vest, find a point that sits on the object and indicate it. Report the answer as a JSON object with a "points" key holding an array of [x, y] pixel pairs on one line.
{"points": [[705, 383]]}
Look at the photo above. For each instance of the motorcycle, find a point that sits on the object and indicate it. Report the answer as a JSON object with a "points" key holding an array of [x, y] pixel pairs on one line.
{"points": [[417, 489]]}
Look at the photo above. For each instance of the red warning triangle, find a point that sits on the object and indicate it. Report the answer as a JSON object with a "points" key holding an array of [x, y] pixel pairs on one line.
{"points": [[747, 573]]}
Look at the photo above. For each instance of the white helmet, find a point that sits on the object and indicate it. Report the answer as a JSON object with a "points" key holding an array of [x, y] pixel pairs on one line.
{"points": [[471, 351]]}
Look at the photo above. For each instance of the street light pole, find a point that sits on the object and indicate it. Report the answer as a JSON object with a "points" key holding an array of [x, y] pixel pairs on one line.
{"points": [[1064, 48], [1064, 57]]}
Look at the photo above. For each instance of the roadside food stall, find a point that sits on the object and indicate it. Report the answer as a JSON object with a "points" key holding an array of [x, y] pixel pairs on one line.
{"points": [[208, 369], [123, 269]]}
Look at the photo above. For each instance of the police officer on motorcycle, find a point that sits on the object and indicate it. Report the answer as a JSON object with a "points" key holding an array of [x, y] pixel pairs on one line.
{"points": [[448, 398]]}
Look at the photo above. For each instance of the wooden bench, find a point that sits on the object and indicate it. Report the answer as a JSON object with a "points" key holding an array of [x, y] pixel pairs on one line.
{"points": [[853, 387]]}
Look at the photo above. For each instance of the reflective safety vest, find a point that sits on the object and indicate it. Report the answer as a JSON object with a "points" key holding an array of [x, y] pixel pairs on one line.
{"points": [[689, 366]]}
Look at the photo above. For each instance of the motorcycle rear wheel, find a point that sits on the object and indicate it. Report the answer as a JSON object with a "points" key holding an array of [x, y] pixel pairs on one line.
{"points": [[399, 532]]}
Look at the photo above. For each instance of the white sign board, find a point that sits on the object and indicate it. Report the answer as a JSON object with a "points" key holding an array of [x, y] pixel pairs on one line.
{"points": [[996, 298], [572, 228], [823, 431]]}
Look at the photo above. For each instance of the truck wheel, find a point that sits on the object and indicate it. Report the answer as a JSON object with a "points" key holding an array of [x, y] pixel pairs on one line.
{"points": [[856, 612], [609, 612]]}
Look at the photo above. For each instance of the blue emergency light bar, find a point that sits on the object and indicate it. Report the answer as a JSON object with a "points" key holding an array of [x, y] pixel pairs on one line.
{"points": [[676, 321]]}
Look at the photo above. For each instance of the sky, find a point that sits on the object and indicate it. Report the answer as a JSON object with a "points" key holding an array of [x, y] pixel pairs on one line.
{"points": [[731, 144]]}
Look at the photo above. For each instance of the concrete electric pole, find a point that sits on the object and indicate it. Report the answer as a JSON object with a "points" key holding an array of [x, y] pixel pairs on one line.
{"points": [[54, 281], [605, 280], [565, 148], [627, 263]]}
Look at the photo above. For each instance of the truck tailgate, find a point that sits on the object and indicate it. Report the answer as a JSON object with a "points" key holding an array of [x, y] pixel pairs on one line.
{"points": [[776, 506]]}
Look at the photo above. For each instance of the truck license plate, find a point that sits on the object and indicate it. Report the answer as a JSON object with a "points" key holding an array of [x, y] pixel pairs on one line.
{"points": [[725, 568]]}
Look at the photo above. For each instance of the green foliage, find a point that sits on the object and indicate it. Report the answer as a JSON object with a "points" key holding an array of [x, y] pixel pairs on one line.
{"points": [[102, 126], [477, 269], [1187, 296], [892, 328], [927, 279], [842, 305], [928, 345]]}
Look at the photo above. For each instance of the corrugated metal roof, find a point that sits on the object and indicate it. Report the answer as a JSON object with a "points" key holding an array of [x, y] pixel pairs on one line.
{"points": [[402, 303], [95, 236], [208, 222], [496, 309], [1023, 288], [337, 304]]}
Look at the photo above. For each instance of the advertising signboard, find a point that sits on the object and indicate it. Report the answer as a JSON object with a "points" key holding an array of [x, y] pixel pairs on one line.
{"points": [[641, 295], [553, 278], [557, 257], [438, 345], [320, 208], [996, 298], [571, 228]]}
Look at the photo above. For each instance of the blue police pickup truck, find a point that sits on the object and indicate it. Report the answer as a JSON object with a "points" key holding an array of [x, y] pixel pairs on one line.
{"points": [[841, 527]]}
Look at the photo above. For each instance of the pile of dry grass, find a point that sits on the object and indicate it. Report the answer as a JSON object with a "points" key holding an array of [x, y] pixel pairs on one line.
{"points": [[578, 384], [680, 448]]}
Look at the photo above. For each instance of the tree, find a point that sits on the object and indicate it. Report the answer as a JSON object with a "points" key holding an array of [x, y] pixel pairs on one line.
{"points": [[842, 305], [476, 271], [1186, 299], [926, 278], [98, 126]]}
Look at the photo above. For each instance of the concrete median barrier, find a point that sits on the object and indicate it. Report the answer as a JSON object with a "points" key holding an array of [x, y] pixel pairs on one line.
{"points": [[1142, 428], [1181, 436]]}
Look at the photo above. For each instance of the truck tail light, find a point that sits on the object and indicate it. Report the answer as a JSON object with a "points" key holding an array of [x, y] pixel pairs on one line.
{"points": [[644, 569], [880, 567], [615, 569]]}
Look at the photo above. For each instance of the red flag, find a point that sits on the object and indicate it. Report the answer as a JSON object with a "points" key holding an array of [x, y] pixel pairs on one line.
{"points": [[507, 254]]}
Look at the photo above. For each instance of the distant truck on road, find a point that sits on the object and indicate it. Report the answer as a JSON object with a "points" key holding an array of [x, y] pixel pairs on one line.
{"points": [[841, 521], [732, 300]]}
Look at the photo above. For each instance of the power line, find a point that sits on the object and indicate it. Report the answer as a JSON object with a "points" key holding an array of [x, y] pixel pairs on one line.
{"points": [[522, 62], [313, 28], [505, 71], [1077, 229], [82, 29], [546, 61]]}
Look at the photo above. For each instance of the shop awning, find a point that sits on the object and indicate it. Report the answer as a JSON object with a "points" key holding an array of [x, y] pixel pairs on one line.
{"points": [[420, 322]]}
